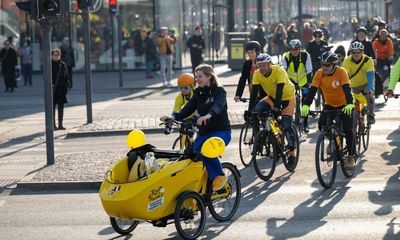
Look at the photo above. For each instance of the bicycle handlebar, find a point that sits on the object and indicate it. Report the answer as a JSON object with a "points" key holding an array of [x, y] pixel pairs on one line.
{"points": [[244, 100]]}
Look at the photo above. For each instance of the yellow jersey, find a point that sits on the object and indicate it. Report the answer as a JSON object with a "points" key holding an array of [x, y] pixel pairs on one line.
{"points": [[269, 83], [360, 79]]}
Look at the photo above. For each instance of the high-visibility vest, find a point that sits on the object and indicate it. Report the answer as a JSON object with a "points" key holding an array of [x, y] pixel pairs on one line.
{"points": [[299, 77]]}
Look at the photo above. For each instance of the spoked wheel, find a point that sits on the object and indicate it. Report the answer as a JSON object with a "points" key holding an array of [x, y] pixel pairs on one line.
{"points": [[223, 208], [325, 160], [190, 215], [123, 227], [246, 143], [286, 152], [177, 143], [265, 154], [365, 136]]}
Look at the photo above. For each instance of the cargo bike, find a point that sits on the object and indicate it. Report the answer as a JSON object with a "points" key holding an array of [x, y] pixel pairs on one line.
{"points": [[178, 191]]}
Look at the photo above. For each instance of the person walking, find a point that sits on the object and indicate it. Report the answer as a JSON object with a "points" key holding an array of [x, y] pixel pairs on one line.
{"points": [[259, 35], [26, 62], [150, 54], [61, 82], [196, 45], [279, 41], [68, 57], [165, 44], [8, 60]]}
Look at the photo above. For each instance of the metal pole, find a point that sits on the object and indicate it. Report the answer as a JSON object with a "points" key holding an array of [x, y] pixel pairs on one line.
{"points": [[48, 95], [88, 72], [300, 14], [119, 33], [112, 44]]}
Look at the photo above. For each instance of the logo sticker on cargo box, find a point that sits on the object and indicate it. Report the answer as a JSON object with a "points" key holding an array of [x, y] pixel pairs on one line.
{"points": [[156, 199]]}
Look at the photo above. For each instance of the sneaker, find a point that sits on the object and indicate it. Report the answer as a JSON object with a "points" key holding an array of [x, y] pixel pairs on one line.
{"points": [[292, 157], [350, 162], [165, 84], [219, 182]]}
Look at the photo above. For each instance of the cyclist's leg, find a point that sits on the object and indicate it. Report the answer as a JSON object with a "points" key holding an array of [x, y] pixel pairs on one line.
{"points": [[213, 165], [287, 119], [265, 105], [304, 93], [350, 143]]}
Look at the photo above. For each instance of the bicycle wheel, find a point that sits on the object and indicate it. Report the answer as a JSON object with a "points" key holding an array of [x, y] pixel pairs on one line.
{"points": [[223, 209], [190, 215], [285, 156], [123, 227], [265, 154], [326, 160], [365, 137], [246, 143], [176, 144]]}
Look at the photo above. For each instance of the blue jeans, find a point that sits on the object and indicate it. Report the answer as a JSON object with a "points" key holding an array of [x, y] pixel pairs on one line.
{"points": [[27, 72], [213, 165], [149, 67], [166, 64]]}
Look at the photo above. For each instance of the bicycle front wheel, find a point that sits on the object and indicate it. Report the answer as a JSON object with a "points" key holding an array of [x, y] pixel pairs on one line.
{"points": [[246, 143], [326, 160], [265, 154]]}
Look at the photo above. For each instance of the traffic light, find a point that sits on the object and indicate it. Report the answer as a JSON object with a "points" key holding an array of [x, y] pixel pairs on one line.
{"points": [[84, 4], [39, 9], [113, 6]]}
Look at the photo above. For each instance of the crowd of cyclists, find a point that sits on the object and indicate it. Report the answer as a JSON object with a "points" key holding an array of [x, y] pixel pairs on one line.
{"points": [[315, 71]]}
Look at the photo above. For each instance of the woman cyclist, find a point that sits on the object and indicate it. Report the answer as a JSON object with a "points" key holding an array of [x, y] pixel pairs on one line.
{"points": [[209, 100], [253, 49]]}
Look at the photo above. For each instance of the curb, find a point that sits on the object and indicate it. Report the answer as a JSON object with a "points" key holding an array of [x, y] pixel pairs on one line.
{"points": [[123, 132], [47, 186]]}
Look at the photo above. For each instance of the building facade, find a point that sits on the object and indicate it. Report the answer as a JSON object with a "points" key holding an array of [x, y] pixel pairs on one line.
{"points": [[217, 17]]}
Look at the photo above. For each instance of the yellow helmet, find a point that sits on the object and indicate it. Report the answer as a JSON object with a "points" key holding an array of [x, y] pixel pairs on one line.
{"points": [[135, 139], [213, 147]]}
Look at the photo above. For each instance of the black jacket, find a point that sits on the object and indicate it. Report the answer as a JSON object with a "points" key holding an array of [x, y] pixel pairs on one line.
{"points": [[8, 61], [315, 50], [245, 77], [196, 51], [209, 100], [61, 82]]}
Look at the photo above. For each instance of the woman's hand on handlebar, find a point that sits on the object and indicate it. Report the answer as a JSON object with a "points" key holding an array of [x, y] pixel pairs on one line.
{"points": [[165, 118], [202, 121]]}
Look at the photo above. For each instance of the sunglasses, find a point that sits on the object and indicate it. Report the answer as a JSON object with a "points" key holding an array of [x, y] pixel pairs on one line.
{"points": [[355, 52], [326, 64], [184, 88]]}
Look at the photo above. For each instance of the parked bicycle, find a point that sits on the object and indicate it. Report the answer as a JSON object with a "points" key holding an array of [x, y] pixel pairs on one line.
{"points": [[271, 144], [330, 150]]}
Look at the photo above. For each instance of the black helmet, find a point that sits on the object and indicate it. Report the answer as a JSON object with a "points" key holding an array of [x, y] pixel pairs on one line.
{"points": [[382, 24], [253, 45], [329, 57], [318, 32], [362, 29]]}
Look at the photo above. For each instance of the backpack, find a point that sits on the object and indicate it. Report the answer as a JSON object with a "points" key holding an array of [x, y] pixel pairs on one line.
{"points": [[136, 167]]}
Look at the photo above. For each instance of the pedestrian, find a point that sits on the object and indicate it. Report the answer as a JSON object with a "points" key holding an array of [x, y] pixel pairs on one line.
{"points": [[209, 101], [307, 35], [216, 38], [9, 61], [292, 32], [259, 35], [150, 54], [325, 31], [279, 41], [61, 82], [165, 44], [26, 62], [68, 57], [196, 45]]}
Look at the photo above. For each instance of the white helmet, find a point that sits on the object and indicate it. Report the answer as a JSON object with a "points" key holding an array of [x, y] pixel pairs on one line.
{"points": [[263, 57], [356, 46], [295, 43]]}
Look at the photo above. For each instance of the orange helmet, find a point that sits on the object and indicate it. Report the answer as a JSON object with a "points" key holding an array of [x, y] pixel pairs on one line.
{"points": [[185, 79]]}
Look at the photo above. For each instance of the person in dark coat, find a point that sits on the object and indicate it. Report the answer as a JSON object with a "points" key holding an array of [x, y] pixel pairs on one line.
{"points": [[259, 35], [8, 60], [61, 83], [196, 45], [150, 54], [68, 57]]}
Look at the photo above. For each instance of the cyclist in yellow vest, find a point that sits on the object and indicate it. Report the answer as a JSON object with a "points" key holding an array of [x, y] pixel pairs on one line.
{"points": [[280, 96], [298, 65], [361, 72]]}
